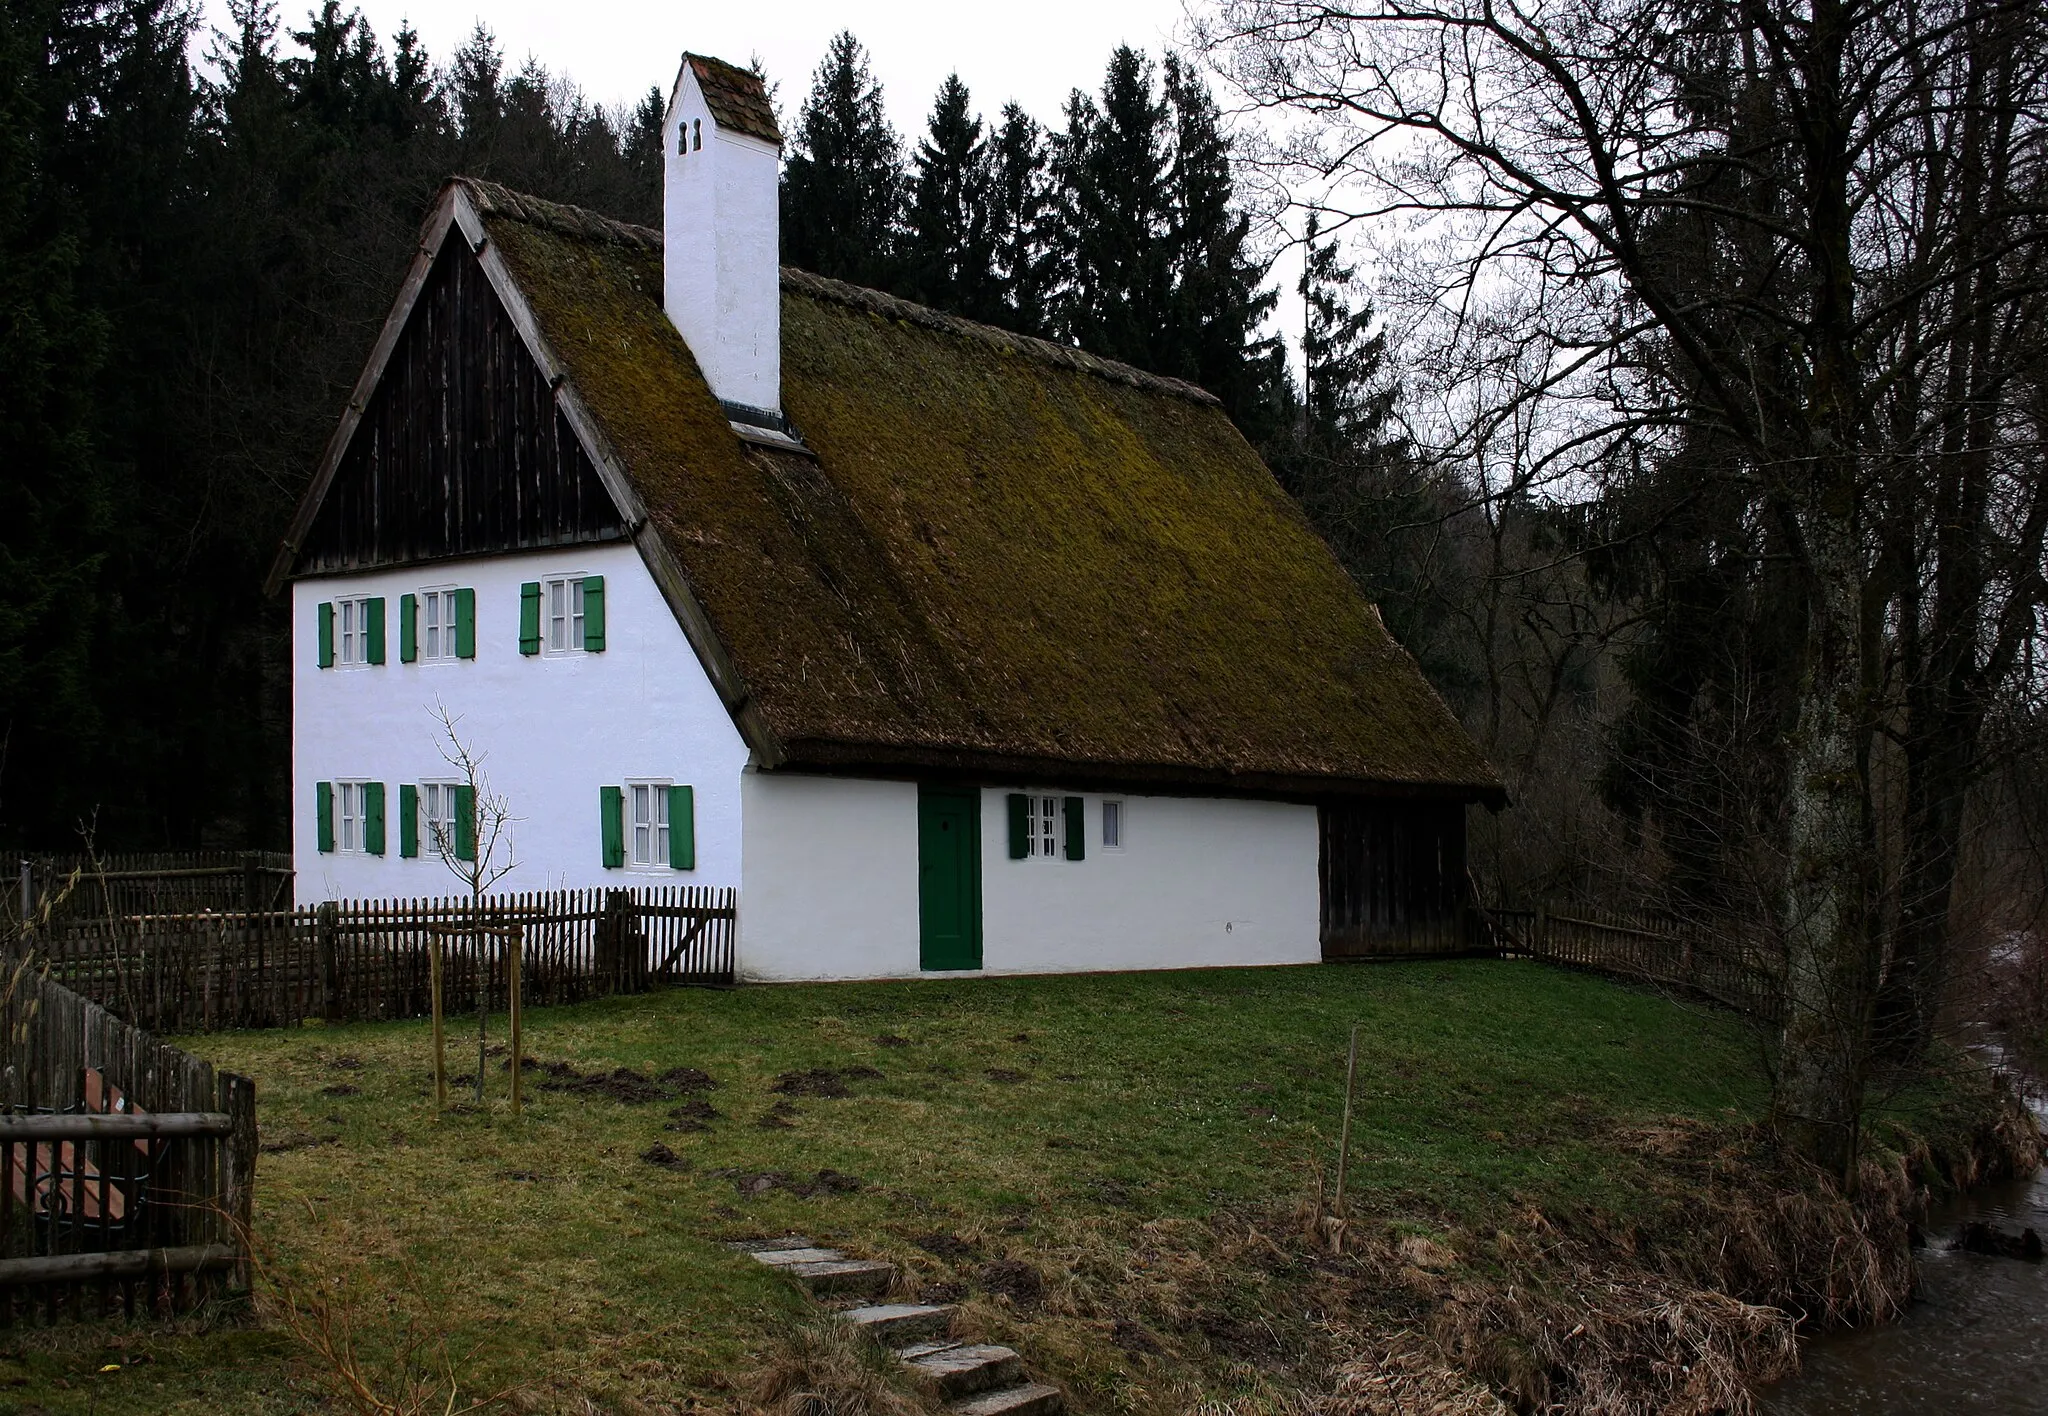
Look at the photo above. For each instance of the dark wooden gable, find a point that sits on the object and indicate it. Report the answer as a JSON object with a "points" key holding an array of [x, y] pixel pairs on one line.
{"points": [[461, 449]]}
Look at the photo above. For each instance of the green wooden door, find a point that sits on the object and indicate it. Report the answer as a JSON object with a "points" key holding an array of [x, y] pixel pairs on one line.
{"points": [[948, 878]]}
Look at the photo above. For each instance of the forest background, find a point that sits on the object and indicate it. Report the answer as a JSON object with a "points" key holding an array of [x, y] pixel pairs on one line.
{"points": [[194, 261]]}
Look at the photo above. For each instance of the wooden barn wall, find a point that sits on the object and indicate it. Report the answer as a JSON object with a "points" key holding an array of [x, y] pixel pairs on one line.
{"points": [[1393, 878], [461, 450]]}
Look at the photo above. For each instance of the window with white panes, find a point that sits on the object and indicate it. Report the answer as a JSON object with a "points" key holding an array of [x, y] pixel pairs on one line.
{"points": [[648, 812], [437, 814], [437, 625], [563, 607], [352, 631], [1045, 826], [351, 815], [1112, 824]]}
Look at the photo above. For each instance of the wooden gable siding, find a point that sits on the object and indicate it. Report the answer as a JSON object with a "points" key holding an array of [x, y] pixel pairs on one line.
{"points": [[1394, 878], [461, 449]]}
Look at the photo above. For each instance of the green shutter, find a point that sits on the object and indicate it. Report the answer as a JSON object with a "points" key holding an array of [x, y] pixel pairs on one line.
{"points": [[529, 617], [465, 823], [327, 634], [374, 628], [408, 820], [593, 613], [1020, 826], [373, 817], [682, 828], [408, 628], [465, 624], [611, 816], [323, 815], [1077, 829]]}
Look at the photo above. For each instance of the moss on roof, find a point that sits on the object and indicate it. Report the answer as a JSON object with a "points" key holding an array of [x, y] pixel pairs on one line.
{"points": [[1006, 555]]}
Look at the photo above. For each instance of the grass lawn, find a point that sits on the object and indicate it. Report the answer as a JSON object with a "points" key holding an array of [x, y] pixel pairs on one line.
{"points": [[1091, 1128]]}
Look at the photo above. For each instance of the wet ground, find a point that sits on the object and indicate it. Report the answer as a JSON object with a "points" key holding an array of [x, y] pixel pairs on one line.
{"points": [[1974, 1343]]}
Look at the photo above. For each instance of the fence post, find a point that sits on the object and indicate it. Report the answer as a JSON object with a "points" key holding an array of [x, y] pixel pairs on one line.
{"points": [[326, 928], [612, 931], [28, 893], [252, 884]]}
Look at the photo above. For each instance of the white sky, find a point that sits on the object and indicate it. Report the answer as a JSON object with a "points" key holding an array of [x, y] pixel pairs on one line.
{"points": [[615, 50]]}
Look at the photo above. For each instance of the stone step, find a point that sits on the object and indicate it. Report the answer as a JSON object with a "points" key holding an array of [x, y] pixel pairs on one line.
{"points": [[870, 1277], [897, 1323], [1025, 1399], [950, 1370], [789, 1258], [758, 1246]]}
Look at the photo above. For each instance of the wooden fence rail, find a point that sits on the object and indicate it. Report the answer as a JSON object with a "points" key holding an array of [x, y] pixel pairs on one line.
{"points": [[1646, 948], [126, 1166], [163, 882], [352, 960]]}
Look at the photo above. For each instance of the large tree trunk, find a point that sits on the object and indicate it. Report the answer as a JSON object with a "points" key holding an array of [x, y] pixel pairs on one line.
{"points": [[1830, 953]]}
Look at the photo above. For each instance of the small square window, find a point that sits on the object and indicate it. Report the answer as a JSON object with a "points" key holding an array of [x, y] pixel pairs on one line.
{"points": [[649, 817], [563, 605], [1112, 824], [352, 631], [1045, 826], [437, 625]]}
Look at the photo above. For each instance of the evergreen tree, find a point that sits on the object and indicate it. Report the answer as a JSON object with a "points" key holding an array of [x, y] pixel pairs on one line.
{"points": [[1113, 162], [1348, 400], [842, 183], [1212, 338], [1021, 257], [947, 255]]}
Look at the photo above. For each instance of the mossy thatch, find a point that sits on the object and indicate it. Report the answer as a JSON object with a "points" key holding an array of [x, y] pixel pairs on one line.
{"points": [[1006, 556]]}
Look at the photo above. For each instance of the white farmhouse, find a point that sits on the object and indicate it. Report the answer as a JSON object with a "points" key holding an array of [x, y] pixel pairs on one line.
{"points": [[949, 648]]}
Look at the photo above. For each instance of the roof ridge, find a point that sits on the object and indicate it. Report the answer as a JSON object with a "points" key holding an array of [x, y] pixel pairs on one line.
{"points": [[493, 198], [1066, 356]]}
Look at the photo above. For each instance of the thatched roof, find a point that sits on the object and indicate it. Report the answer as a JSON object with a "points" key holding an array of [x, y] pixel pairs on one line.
{"points": [[737, 99], [1005, 557]]}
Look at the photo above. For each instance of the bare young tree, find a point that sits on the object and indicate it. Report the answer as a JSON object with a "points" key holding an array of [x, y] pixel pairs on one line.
{"points": [[473, 840], [1808, 235]]}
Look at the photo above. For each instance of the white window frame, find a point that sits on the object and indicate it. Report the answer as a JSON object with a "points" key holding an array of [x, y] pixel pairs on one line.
{"points": [[647, 830], [1045, 821], [567, 617], [437, 817], [1117, 809], [352, 632], [351, 817], [436, 626]]}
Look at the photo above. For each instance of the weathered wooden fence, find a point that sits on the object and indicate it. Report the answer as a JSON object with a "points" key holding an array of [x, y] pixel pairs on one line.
{"points": [[126, 1166], [164, 882], [1646, 948], [351, 960]]}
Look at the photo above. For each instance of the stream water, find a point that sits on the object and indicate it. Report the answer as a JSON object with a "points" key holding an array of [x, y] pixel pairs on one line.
{"points": [[1974, 1342]]}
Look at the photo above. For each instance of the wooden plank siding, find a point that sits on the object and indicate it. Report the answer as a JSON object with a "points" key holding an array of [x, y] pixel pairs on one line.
{"points": [[461, 449], [1393, 878], [353, 960]]}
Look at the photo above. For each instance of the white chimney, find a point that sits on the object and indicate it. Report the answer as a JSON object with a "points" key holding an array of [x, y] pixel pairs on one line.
{"points": [[721, 238]]}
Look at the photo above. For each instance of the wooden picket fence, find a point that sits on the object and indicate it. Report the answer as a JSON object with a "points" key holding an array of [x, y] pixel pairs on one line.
{"points": [[126, 1166], [1646, 948], [352, 960], [161, 882]]}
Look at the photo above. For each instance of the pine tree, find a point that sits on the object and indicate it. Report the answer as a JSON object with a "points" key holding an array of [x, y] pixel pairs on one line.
{"points": [[1021, 257], [1348, 400], [947, 256], [1112, 164], [1213, 337], [842, 184]]}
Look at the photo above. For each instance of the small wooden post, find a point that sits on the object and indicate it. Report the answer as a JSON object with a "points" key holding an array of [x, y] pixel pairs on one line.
{"points": [[326, 928], [515, 947], [440, 1036], [1344, 1134]]}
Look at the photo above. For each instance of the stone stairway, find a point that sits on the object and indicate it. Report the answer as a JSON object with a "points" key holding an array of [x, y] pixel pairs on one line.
{"points": [[972, 1378]]}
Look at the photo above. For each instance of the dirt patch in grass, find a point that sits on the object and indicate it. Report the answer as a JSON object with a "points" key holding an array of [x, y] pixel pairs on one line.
{"points": [[621, 1084], [823, 1081], [666, 1159], [1009, 1076], [824, 1182]]}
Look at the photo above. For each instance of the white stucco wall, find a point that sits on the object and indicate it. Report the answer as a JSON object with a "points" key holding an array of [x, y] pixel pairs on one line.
{"points": [[555, 729], [830, 886], [722, 247]]}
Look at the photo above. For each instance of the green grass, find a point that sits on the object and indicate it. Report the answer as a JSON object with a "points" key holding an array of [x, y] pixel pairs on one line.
{"points": [[1149, 1105]]}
